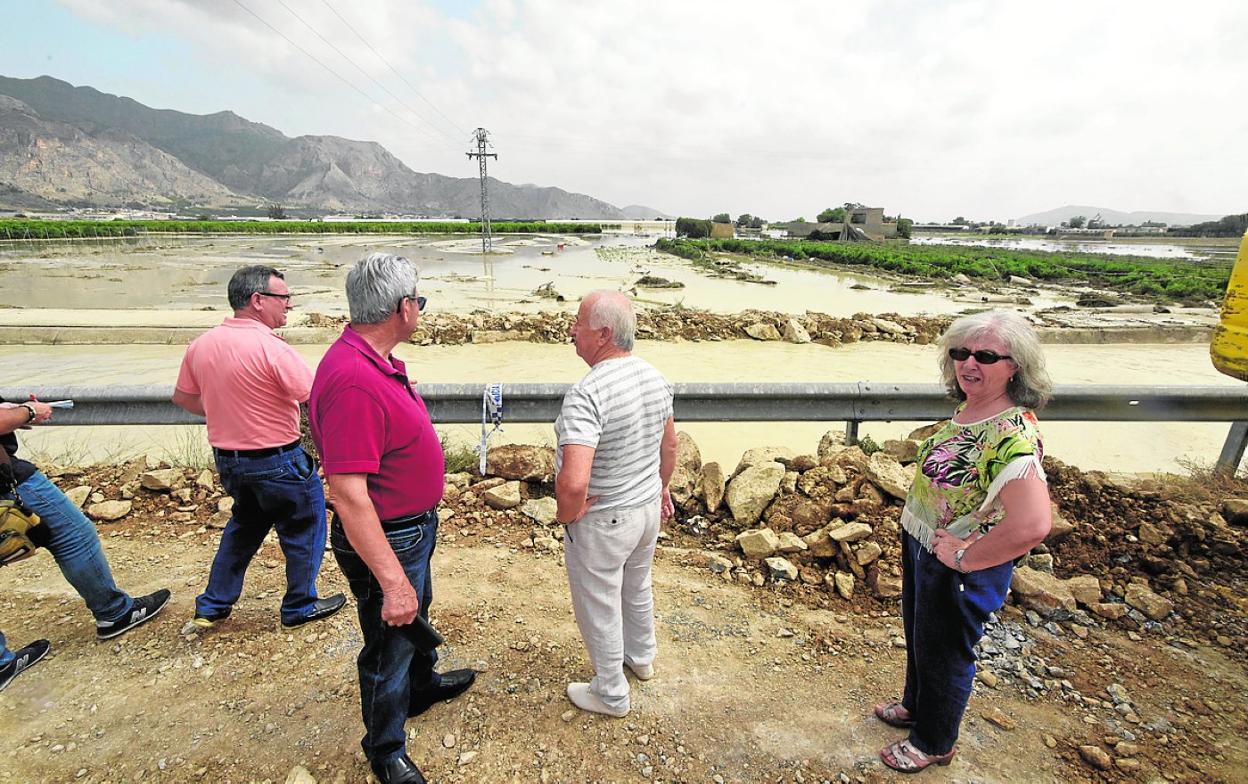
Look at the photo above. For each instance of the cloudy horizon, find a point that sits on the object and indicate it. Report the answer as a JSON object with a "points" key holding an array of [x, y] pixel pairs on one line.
{"points": [[930, 110]]}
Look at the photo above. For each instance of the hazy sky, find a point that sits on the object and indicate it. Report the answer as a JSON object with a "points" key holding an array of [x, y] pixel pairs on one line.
{"points": [[986, 109]]}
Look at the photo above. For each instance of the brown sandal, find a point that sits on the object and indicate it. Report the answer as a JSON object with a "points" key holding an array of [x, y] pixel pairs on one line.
{"points": [[902, 756], [892, 714]]}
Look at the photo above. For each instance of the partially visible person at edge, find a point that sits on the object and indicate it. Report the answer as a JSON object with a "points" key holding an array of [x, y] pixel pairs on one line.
{"points": [[248, 384], [73, 541], [979, 501], [616, 452], [385, 467]]}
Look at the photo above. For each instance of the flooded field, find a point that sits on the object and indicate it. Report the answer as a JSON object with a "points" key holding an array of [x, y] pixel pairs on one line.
{"points": [[1125, 447], [1217, 250], [163, 273]]}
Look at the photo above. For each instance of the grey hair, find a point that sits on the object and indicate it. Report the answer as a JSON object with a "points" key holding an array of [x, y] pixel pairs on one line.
{"points": [[376, 285], [248, 281], [1030, 385], [615, 310]]}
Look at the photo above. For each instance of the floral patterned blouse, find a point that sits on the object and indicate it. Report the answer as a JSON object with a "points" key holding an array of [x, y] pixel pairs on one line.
{"points": [[962, 468]]}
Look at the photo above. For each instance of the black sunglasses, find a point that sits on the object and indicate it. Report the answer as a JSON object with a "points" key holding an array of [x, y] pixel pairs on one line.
{"points": [[983, 356], [420, 303], [283, 297]]}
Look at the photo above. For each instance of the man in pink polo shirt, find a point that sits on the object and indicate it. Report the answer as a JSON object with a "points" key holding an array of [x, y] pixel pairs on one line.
{"points": [[248, 384], [385, 468]]}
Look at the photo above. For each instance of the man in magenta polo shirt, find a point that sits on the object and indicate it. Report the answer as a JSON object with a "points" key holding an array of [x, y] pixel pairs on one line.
{"points": [[385, 468], [248, 384]]}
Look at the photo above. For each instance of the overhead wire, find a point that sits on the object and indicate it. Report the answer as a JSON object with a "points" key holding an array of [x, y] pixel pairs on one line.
{"points": [[393, 70], [357, 67], [339, 76]]}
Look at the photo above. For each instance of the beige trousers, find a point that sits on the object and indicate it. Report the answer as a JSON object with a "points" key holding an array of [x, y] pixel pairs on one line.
{"points": [[609, 554]]}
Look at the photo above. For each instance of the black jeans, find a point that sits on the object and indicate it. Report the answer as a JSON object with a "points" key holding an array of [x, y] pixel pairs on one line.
{"points": [[943, 612], [391, 667]]}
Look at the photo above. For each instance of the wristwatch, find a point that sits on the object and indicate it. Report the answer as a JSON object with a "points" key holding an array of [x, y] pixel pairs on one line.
{"points": [[31, 413], [957, 559]]}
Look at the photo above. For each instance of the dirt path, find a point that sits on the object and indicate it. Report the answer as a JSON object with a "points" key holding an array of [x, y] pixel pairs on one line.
{"points": [[751, 685]]}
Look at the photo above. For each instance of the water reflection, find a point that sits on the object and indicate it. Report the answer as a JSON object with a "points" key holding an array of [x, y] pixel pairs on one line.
{"points": [[1192, 250]]}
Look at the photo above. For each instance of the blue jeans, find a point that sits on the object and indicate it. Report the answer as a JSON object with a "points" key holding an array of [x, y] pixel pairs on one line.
{"points": [[281, 490], [392, 669], [943, 612], [76, 548]]}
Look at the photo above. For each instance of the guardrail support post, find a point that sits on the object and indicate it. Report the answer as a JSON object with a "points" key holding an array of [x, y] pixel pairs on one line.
{"points": [[851, 432], [1233, 449]]}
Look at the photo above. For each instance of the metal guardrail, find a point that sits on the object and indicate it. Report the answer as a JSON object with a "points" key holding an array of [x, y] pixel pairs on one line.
{"points": [[764, 402]]}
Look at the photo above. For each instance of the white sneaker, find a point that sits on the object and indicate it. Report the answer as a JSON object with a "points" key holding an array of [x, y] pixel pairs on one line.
{"points": [[644, 672], [586, 700]]}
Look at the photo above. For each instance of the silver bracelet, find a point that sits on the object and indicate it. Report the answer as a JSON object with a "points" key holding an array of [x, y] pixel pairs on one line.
{"points": [[957, 560]]}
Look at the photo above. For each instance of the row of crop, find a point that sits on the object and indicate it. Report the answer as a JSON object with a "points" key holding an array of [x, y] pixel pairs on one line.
{"points": [[23, 228], [1164, 279]]}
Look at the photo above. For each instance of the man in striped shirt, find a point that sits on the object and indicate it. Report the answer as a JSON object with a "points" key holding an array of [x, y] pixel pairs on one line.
{"points": [[617, 449]]}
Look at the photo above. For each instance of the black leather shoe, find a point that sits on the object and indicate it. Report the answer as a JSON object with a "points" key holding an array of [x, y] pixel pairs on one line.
{"points": [[399, 770], [450, 685], [321, 608]]}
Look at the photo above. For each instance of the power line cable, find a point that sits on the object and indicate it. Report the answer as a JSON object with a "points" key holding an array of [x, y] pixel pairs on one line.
{"points": [[393, 70], [357, 66], [340, 77]]}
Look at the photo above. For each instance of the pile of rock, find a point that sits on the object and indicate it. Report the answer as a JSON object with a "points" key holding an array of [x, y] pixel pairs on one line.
{"points": [[675, 323]]}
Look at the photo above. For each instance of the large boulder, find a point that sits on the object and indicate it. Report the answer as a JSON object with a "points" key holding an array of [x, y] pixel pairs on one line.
{"points": [[685, 474], [832, 442], [763, 454], [1040, 591], [781, 568], [761, 330], [820, 544], [711, 479], [79, 495], [543, 510], [758, 543], [162, 480], [794, 332], [107, 511], [849, 532], [890, 476], [751, 491], [523, 462], [1141, 598], [1062, 527], [905, 450], [504, 496], [1086, 589], [1235, 510]]}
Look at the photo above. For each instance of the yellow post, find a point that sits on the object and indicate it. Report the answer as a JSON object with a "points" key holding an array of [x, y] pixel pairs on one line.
{"points": [[1229, 348]]}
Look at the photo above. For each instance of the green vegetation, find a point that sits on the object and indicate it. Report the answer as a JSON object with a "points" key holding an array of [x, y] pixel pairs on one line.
{"points": [[692, 227], [831, 215], [28, 229], [722, 217], [1159, 279], [1228, 226], [458, 456]]}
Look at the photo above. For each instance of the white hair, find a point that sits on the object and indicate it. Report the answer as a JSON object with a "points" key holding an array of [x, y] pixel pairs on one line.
{"points": [[613, 309], [1030, 385], [377, 284]]}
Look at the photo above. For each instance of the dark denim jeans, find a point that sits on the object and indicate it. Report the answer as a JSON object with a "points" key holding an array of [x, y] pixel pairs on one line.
{"points": [[281, 490], [943, 612], [75, 545], [392, 669]]}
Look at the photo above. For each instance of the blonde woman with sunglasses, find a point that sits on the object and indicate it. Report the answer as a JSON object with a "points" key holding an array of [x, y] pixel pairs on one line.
{"points": [[979, 501]]}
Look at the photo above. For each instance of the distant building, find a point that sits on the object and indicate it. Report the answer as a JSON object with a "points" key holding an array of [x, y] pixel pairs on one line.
{"points": [[722, 231], [861, 223]]}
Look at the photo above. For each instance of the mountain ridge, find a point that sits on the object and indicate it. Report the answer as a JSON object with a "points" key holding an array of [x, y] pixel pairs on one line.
{"points": [[1112, 217], [48, 151]]}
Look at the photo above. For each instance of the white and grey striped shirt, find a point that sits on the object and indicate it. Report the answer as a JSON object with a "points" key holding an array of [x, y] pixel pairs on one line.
{"points": [[620, 409]]}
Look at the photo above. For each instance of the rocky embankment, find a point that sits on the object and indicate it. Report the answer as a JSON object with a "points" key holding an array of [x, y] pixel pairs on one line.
{"points": [[672, 324], [1142, 556]]}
